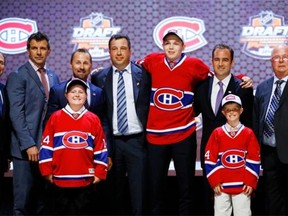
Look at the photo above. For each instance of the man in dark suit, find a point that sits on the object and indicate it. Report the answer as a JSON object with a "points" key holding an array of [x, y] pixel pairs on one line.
{"points": [[28, 90], [127, 147], [81, 65], [4, 132], [272, 132], [206, 100]]}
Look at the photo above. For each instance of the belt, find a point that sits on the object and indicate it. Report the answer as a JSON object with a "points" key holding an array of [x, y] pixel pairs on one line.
{"points": [[128, 136]]}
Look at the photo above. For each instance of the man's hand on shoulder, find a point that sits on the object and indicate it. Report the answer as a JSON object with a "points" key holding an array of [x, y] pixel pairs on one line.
{"points": [[247, 82]]}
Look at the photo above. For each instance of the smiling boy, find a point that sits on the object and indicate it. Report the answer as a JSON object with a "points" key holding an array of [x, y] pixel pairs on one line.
{"points": [[232, 161]]}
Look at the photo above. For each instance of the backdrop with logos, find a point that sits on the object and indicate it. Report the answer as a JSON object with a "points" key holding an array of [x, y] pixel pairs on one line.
{"points": [[252, 28]]}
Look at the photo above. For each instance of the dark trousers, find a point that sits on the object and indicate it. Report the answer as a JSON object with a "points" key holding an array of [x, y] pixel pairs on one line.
{"points": [[72, 201], [28, 188], [129, 161], [159, 157], [275, 175]]}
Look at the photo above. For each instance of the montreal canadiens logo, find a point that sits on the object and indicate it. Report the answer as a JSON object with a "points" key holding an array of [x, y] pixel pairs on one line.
{"points": [[191, 29], [75, 140], [171, 99], [14, 33], [233, 159]]}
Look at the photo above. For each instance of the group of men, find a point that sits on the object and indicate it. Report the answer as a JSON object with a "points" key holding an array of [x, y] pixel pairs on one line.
{"points": [[151, 124]]}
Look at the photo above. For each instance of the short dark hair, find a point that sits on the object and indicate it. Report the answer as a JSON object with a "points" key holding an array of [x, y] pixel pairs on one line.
{"points": [[38, 36], [223, 46], [119, 36], [81, 50]]}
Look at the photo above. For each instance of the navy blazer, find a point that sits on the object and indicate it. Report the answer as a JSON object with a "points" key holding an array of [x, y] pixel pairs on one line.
{"points": [[210, 121], [57, 99], [28, 106], [141, 89], [261, 103]]}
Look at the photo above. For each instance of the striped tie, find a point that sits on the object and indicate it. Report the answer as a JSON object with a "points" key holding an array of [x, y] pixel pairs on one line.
{"points": [[121, 104], [269, 123]]}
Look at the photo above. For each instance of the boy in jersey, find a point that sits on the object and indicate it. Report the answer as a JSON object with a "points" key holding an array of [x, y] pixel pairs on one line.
{"points": [[73, 154], [232, 162]]}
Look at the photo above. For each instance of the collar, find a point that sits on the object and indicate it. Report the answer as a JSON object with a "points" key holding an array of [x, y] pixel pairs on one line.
{"points": [[69, 109], [35, 67], [225, 81], [229, 128], [128, 68], [276, 79]]}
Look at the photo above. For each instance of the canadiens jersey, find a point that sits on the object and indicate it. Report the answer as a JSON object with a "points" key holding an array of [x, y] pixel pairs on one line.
{"points": [[171, 102], [73, 150], [232, 160]]}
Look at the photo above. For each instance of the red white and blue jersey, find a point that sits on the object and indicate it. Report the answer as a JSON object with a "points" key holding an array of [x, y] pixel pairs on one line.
{"points": [[73, 150], [171, 115], [233, 161]]}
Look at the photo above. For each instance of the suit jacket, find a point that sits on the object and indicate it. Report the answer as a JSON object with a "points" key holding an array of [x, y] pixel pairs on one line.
{"points": [[28, 106], [202, 104], [57, 99], [141, 88], [5, 130], [261, 103]]}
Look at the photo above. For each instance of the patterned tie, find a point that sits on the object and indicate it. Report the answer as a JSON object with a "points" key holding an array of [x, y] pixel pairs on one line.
{"points": [[75, 115], [172, 64], [121, 104], [269, 123], [44, 81], [219, 97]]}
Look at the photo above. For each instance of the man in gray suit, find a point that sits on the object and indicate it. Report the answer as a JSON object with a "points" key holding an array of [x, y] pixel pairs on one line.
{"points": [[270, 121], [28, 90]]}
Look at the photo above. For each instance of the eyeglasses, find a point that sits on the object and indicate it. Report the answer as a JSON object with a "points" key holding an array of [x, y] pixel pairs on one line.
{"points": [[232, 110], [278, 58]]}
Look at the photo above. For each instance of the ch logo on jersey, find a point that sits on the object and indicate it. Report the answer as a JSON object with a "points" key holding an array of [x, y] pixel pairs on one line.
{"points": [[171, 99], [192, 30], [14, 33], [233, 159], [75, 140]]}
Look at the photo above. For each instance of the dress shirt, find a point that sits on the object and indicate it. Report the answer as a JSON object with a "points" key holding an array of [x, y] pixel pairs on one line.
{"points": [[215, 89], [35, 67], [134, 124]]}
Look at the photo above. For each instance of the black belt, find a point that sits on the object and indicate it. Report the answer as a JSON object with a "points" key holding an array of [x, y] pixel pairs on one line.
{"points": [[128, 136]]}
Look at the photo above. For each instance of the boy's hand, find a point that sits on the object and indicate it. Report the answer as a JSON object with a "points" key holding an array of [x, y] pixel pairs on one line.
{"points": [[217, 189], [247, 190], [96, 180]]}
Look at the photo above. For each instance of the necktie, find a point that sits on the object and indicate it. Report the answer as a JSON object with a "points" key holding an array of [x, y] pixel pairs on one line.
{"points": [[219, 97], [121, 104], [172, 64], [44, 81], [269, 123], [75, 115]]}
